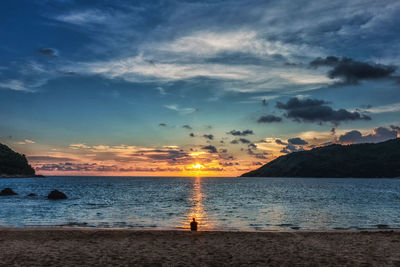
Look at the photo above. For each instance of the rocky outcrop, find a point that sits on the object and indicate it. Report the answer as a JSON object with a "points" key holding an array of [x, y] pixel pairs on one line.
{"points": [[7, 192], [56, 195]]}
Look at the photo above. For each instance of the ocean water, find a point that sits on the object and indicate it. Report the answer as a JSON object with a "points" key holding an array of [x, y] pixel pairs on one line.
{"points": [[260, 204]]}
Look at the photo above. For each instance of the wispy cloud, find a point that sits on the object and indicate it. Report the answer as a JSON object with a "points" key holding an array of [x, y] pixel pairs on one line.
{"points": [[15, 85], [383, 109], [81, 17], [183, 111], [26, 141]]}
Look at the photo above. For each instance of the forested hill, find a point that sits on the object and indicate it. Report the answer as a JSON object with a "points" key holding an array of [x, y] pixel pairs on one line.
{"points": [[13, 164], [359, 160]]}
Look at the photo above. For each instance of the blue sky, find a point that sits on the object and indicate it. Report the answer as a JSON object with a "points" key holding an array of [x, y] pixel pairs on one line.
{"points": [[125, 76]]}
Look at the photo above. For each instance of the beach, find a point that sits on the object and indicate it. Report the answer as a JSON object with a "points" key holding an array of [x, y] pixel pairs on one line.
{"points": [[124, 247]]}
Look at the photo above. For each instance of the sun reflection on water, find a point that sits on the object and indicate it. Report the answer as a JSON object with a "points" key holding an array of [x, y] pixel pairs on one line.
{"points": [[197, 208]]}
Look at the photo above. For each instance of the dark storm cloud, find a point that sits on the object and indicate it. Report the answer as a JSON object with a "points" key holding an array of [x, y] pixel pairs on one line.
{"points": [[47, 51], [208, 136], [241, 133], [314, 110], [379, 134], [297, 141], [187, 127], [351, 71], [269, 119], [210, 148]]}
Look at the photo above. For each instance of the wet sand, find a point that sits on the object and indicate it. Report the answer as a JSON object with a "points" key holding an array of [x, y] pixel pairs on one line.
{"points": [[90, 247]]}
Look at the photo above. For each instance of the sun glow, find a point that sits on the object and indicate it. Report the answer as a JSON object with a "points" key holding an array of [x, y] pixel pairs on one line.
{"points": [[197, 166]]}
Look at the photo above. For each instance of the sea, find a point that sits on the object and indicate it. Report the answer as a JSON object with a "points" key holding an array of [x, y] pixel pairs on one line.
{"points": [[227, 204]]}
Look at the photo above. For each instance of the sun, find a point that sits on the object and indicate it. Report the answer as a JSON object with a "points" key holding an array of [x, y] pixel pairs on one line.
{"points": [[197, 166]]}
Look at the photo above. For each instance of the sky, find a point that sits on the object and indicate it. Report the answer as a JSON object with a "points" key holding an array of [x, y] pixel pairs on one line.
{"points": [[193, 88]]}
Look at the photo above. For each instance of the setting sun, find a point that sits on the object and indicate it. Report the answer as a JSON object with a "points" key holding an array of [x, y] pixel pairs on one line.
{"points": [[197, 166]]}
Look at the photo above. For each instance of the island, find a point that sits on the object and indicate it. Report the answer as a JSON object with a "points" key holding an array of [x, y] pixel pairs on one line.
{"points": [[13, 164], [380, 160]]}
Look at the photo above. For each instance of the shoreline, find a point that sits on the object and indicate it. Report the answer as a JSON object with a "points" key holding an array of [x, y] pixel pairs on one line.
{"points": [[160, 229], [22, 176], [108, 247]]}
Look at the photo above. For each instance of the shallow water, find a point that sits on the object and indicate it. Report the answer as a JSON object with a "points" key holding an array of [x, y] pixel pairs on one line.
{"points": [[217, 203]]}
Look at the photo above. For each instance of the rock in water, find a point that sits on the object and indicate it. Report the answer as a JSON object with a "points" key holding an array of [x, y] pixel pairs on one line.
{"points": [[7, 192], [31, 195], [55, 195]]}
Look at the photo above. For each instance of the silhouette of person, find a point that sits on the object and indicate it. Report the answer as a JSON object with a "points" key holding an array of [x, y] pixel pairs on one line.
{"points": [[193, 225]]}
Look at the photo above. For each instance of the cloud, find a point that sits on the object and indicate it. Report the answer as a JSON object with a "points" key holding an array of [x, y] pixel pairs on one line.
{"points": [[261, 155], [183, 111], [241, 140], [210, 43], [49, 159], [26, 141], [16, 85], [79, 146], [170, 155], [162, 125], [244, 141], [379, 134], [292, 145], [351, 71], [210, 148], [241, 133], [382, 109], [396, 128], [188, 127], [297, 141], [48, 51], [208, 136], [280, 142], [77, 167], [269, 119], [252, 146], [291, 148], [156, 169], [314, 110], [81, 17]]}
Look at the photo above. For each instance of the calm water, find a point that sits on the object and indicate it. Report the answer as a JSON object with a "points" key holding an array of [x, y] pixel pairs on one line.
{"points": [[217, 203]]}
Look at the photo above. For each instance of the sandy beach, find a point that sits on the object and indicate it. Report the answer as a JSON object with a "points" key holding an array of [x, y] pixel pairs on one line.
{"points": [[89, 247]]}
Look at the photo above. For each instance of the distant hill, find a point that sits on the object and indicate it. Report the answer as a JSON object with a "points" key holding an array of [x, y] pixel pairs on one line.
{"points": [[360, 160], [13, 164]]}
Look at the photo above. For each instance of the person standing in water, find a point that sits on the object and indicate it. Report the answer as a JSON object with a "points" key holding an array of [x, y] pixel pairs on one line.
{"points": [[193, 225]]}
